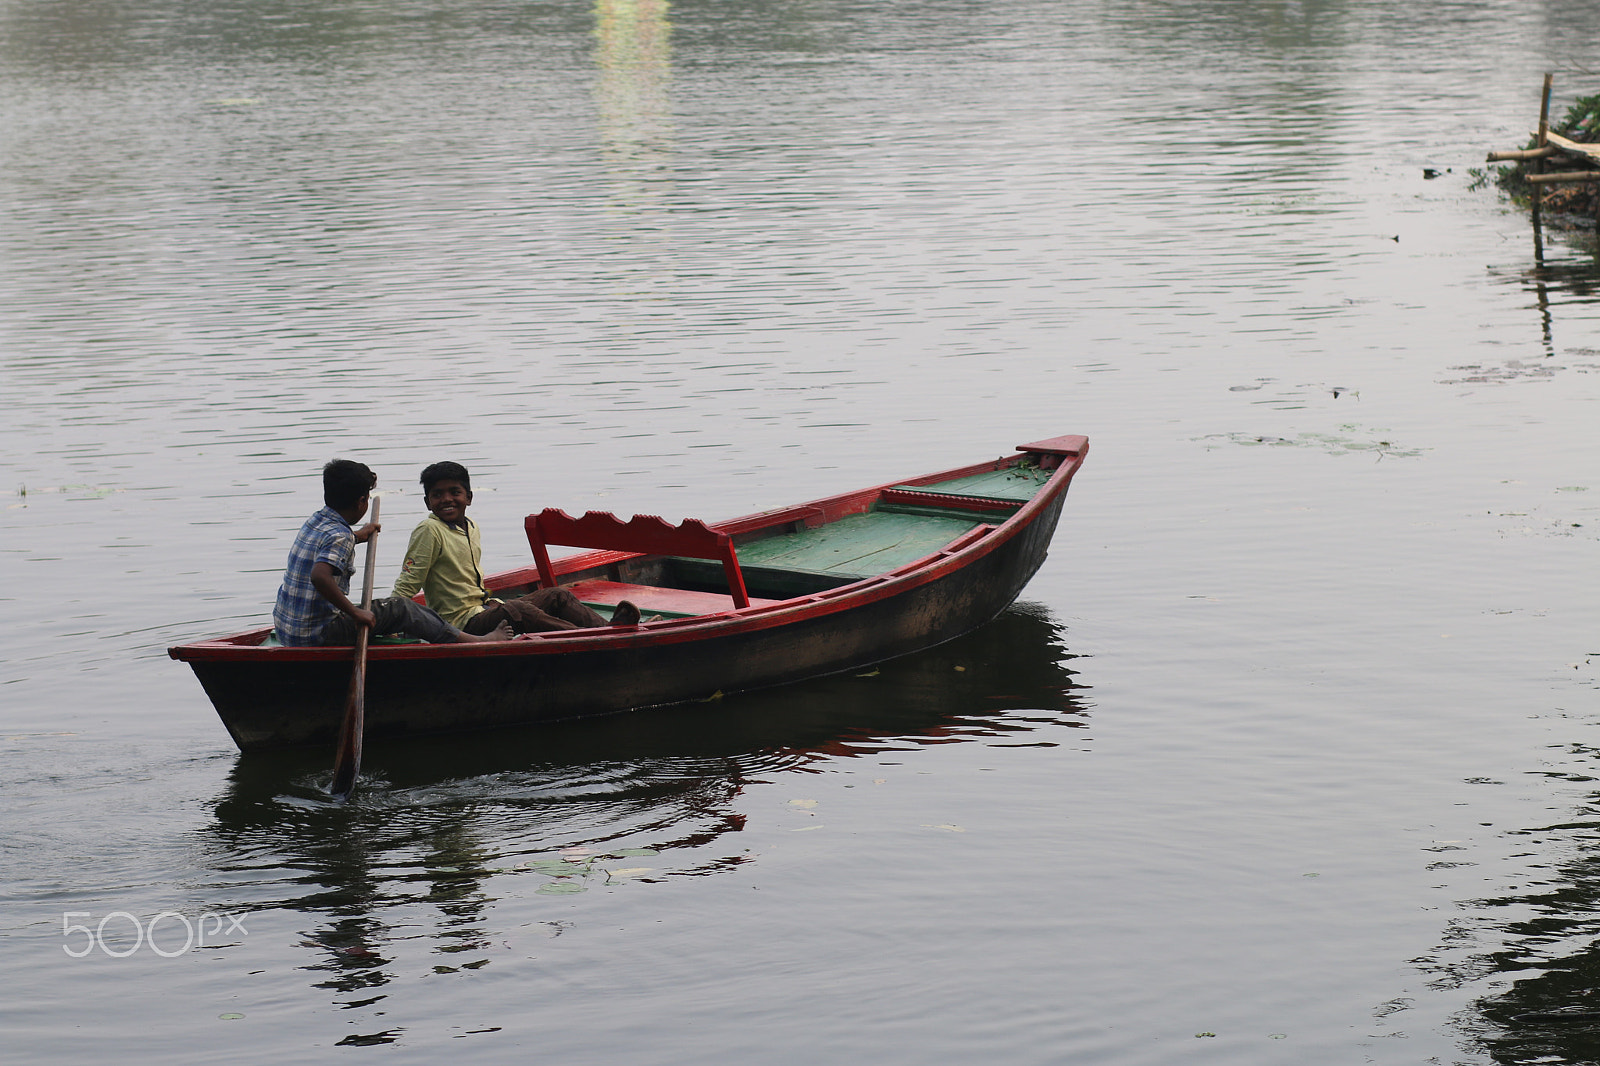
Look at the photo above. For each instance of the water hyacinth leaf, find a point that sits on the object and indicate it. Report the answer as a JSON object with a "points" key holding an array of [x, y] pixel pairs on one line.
{"points": [[632, 852], [560, 888], [231, 1016], [629, 871], [803, 803]]}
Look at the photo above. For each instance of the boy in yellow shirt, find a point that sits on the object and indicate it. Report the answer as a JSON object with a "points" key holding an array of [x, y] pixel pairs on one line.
{"points": [[443, 561]]}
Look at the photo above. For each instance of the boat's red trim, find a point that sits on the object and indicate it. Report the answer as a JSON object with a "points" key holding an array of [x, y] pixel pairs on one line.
{"points": [[1071, 445]]}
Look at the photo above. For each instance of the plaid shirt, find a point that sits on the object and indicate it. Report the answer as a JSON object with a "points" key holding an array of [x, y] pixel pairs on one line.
{"points": [[301, 613]]}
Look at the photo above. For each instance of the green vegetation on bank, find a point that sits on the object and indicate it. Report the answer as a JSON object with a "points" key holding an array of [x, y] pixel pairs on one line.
{"points": [[1580, 124]]}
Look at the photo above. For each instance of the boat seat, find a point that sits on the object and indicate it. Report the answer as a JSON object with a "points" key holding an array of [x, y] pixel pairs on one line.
{"points": [[645, 534], [909, 499], [652, 599]]}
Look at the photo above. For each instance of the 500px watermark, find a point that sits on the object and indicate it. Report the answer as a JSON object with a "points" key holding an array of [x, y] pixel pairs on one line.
{"points": [[120, 934]]}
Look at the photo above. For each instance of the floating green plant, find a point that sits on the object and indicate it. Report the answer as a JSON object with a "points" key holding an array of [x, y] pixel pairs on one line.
{"points": [[568, 874], [1332, 443]]}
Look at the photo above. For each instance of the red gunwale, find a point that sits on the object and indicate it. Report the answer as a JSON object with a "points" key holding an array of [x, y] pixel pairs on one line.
{"points": [[1068, 451]]}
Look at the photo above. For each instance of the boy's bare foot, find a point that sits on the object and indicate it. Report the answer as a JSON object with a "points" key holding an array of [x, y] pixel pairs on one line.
{"points": [[625, 614], [502, 631]]}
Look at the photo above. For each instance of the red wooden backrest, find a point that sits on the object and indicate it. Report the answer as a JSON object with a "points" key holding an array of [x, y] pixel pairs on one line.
{"points": [[643, 533]]}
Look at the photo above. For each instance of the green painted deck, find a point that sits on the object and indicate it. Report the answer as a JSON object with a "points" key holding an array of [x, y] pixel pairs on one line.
{"points": [[893, 534], [1015, 483], [859, 545]]}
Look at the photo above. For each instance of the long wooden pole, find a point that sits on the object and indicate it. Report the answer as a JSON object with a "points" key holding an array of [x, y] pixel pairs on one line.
{"points": [[1564, 177], [1542, 142], [1521, 154], [347, 762]]}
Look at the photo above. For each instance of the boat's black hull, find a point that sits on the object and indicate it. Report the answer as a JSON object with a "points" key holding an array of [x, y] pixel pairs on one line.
{"points": [[269, 702]]}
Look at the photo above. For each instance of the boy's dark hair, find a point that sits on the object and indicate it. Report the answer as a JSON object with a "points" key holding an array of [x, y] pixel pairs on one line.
{"points": [[344, 482], [446, 472]]}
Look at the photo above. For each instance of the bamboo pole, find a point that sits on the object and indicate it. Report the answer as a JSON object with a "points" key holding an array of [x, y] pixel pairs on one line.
{"points": [[1564, 176], [1520, 155], [1542, 142]]}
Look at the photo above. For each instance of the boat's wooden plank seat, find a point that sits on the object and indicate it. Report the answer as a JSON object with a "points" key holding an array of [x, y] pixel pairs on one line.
{"points": [[604, 595]]}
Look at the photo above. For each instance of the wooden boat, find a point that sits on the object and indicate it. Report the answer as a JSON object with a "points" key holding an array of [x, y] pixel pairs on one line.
{"points": [[818, 588]]}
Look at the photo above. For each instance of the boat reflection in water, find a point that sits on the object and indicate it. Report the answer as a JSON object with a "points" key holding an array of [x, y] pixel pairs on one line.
{"points": [[1550, 957], [456, 822]]}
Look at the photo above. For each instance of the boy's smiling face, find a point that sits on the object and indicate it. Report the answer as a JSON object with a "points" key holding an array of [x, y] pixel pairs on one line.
{"points": [[448, 501]]}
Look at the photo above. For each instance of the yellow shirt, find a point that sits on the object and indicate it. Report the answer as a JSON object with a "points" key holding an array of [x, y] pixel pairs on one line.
{"points": [[443, 562]]}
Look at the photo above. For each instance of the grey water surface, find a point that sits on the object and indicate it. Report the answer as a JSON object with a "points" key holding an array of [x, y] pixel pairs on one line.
{"points": [[1288, 754]]}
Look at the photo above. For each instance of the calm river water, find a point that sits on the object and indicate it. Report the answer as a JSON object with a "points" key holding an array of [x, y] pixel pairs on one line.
{"points": [[1288, 755]]}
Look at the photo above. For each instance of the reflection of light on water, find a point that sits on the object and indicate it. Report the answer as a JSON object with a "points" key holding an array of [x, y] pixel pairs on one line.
{"points": [[633, 54]]}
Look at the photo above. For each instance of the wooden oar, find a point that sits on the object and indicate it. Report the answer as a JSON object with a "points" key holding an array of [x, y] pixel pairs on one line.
{"points": [[347, 763]]}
